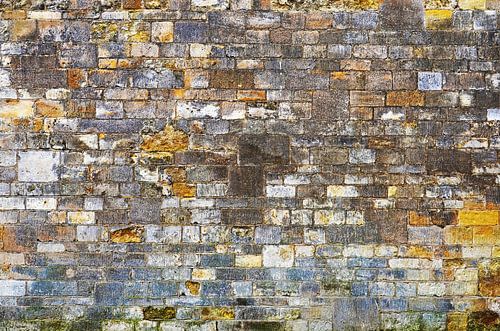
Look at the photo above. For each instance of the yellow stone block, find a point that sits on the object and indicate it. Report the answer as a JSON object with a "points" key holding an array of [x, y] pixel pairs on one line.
{"points": [[248, 261], [81, 217], [478, 217], [203, 274], [486, 235], [457, 235], [472, 4], [437, 19], [392, 191], [217, 313]]}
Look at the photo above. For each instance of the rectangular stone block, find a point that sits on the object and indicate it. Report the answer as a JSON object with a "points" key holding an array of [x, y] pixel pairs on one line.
{"points": [[365, 98], [278, 256], [405, 99], [232, 79], [263, 149], [12, 288], [38, 166], [330, 105], [430, 81], [478, 217]]}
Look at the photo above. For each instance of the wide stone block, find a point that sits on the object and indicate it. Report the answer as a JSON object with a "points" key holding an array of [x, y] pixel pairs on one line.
{"points": [[263, 149], [190, 32], [12, 288], [478, 217], [38, 166], [51, 288]]}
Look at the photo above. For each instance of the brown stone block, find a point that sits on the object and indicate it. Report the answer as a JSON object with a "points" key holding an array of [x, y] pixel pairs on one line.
{"points": [[330, 155], [330, 105], [489, 279], [402, 14], [318, 20], [18, 239], [75, 78], [405, 98], [263, 149], [232, 79], [347, 80], [448, 161], [246, 181], [391, 225], [56, 233], [241, 216], [366, 98]]}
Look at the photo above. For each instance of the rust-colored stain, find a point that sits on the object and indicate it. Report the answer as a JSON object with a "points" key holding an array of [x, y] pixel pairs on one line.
{"points": [[131, 234], [167, 140]]}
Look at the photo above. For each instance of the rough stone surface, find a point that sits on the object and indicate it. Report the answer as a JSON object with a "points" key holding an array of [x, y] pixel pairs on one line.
{"points": [[234, 165]]}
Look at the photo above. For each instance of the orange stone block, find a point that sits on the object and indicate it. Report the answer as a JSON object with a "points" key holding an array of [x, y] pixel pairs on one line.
{"points": [[251, 95], [405, 98], [131, 234], [486, 235], [75, 78], [49, 108], [132, 4], [417, 219], [168, 140]]}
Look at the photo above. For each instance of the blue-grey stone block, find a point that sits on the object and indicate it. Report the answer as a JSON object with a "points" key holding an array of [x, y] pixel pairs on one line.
{"points": [[52, 288], [109, 294], [430, 81]]}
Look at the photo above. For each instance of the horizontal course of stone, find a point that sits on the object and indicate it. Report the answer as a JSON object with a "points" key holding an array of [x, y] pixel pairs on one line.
{"points": [[249, 165]]}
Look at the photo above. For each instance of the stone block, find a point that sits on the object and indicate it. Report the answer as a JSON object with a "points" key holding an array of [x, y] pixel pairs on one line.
{"points": [[263, 149], [38, 166], [12, 288], [278, 256], [190, 32], [430, 81], [330, 105]]}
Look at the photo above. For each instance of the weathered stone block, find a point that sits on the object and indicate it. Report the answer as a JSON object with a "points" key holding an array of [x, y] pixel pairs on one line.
{"points": [[278, 256], [332, 105], [38, 166], [190, 32], [246, 181], [263, 149]]}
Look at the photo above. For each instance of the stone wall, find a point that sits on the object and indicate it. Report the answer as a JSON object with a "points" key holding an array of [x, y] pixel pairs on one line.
{"points": [[249, 165]]}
